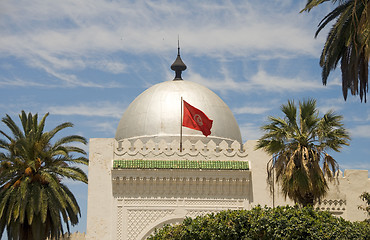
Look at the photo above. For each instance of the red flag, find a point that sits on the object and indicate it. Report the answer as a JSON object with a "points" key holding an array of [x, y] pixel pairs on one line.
{"points": [[196, 119]]}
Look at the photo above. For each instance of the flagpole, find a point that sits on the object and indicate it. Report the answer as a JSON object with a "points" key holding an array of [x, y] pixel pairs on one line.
{"points": [[181, 128]]}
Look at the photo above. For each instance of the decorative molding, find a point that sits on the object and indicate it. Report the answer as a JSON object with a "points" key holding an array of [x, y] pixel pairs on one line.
{"points": [[236, 186], [126, 149], [332, 205], [143, 213], [119, 222], [195, 212], [214, 202], [140, 203], [135, 202], [139, 219]]}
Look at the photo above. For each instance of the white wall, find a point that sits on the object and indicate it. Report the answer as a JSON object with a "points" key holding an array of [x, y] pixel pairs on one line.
{"points": [[130, 203]]}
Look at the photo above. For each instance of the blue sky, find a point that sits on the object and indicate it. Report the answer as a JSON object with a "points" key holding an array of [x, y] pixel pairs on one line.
{"points": [[85, 61]]}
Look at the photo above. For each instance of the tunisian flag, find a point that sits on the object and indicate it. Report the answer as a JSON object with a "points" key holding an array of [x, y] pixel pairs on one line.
{"points": [[196, 119]]}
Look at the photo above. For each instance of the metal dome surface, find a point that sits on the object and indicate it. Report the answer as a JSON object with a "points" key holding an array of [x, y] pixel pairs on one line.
{"points": [[156, 114]]}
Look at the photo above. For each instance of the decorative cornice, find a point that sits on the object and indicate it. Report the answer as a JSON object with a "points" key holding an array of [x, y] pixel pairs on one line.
{"points": [[126, 148], [181, 164], [196, 183]]}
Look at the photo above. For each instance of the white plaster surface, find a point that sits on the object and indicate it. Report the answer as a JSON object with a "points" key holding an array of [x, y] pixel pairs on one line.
{"points": [[130, 203], [100, 205]]}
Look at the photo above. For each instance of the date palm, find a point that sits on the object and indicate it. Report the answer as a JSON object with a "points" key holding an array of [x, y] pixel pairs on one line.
{"points": [[33, 200], [299, 144], [348, 41]]}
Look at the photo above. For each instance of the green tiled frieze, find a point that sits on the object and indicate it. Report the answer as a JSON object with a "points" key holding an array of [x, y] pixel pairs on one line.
{"points": [[180, 164]]}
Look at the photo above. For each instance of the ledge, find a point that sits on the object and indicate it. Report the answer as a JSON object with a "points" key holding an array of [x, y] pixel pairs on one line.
{"points": [[180, 164]]}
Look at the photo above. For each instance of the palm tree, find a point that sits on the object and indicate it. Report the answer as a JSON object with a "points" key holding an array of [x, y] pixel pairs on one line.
{"points": [[33, 200], [347, 41], [365, 196], [298, 144]]}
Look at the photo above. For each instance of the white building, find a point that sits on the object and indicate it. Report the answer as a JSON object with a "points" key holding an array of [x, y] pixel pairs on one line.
{"points": [[141, 179]]}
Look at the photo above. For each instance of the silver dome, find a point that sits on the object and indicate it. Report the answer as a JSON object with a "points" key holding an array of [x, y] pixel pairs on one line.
{"points": [[156, 114]]}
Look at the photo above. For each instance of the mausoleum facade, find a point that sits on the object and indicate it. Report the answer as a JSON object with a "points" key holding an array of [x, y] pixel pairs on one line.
{"points": [[142, 178]]}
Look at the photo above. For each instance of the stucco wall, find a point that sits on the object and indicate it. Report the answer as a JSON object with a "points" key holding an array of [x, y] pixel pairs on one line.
{"points": [[131, 203], [100, 197]]}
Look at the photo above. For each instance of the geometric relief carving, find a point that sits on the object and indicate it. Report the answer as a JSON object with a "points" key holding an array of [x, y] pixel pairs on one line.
{"points": [[195, 213], [132, 202], [210, 202], [211, 205], [139, 219], [150, 202], [332, 205], [119, 222]]}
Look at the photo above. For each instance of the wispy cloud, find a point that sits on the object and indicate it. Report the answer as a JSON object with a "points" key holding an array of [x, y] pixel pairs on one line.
{"points": [[223, 85], [250, 131], [261, 81], [251, 110], [361, 131], [106, 127], [356, 165], [60, 35], [329, 104], [271, 83], [18, 82], [72, 80], [99, 109], [114, 67]]}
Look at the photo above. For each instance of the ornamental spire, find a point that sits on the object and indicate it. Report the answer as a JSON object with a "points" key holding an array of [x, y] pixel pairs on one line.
{"points": [[178, 65]]}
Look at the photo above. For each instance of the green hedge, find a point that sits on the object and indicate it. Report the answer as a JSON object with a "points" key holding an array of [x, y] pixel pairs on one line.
{"points": [[266, 223]]}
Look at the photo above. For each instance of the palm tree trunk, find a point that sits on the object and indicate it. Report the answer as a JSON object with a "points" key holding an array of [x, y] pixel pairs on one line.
{"points": [[26, 233], [308, 200]]}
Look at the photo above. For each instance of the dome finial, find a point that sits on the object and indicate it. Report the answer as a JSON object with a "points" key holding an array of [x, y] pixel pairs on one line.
{"points": [[178, 46], [178, 65]]}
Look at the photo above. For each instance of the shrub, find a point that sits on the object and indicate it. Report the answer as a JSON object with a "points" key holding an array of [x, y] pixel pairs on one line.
{"points": [[265, 223], [365, 196]]}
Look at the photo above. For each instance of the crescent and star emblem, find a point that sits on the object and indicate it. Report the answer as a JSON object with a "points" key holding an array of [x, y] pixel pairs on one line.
{"points": [[198, 119]]}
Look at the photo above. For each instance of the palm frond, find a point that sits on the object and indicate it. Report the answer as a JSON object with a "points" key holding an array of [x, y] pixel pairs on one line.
{"points": [[313, 3], [70, 139], [57, 129], [347, 42], [332, 16], [296, 150], [17, 133], [33, 201]]}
